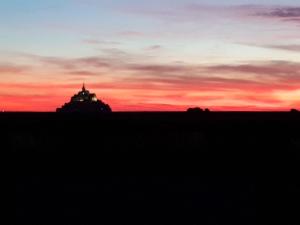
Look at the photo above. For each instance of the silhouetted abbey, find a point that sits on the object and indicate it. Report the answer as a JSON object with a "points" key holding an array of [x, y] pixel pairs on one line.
{"points": [[85, 101]]}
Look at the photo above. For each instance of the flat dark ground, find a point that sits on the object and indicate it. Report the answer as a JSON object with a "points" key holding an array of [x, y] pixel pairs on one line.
{"points": [[154, 168]]}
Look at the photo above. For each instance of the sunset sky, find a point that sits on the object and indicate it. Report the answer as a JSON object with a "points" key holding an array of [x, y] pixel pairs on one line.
{"points": [[151, 55]]}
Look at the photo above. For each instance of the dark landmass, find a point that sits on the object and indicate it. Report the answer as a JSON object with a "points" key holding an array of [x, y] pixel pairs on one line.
{"points": [[154, 168], [86, 107]]}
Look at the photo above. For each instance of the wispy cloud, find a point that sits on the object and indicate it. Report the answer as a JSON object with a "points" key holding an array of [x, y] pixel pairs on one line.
{"points": [[100, 42], [286, 14], [83, 73], [71, 64], [170, 83], [154, 48], [282, 12], [195, 12], [293, 48], [275, 69], [10, 68], [268, 73], [283, 47]]}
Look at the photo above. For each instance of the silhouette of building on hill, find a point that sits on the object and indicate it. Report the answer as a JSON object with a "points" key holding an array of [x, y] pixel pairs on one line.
{"points": [[84, 101]]}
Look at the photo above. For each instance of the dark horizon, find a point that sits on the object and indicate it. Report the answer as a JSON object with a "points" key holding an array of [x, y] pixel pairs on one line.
{"points": [[216, 111], [170, 168]]}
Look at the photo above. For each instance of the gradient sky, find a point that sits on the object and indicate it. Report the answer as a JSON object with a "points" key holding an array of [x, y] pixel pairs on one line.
{"points": [[151, 55]]}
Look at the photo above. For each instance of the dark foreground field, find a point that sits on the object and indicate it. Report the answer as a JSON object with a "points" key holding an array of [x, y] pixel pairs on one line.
{"points": [[154, 168]]}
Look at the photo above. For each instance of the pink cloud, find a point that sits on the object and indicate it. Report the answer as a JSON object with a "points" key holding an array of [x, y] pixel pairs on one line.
{"points": [[9, 68]]}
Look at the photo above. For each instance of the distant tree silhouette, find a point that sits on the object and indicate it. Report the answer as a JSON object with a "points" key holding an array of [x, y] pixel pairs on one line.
{"points": [[294, 111], [194, 110]]}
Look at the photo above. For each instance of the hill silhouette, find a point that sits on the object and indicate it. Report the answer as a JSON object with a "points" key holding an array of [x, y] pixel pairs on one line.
{"points": [[85, 102]]}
